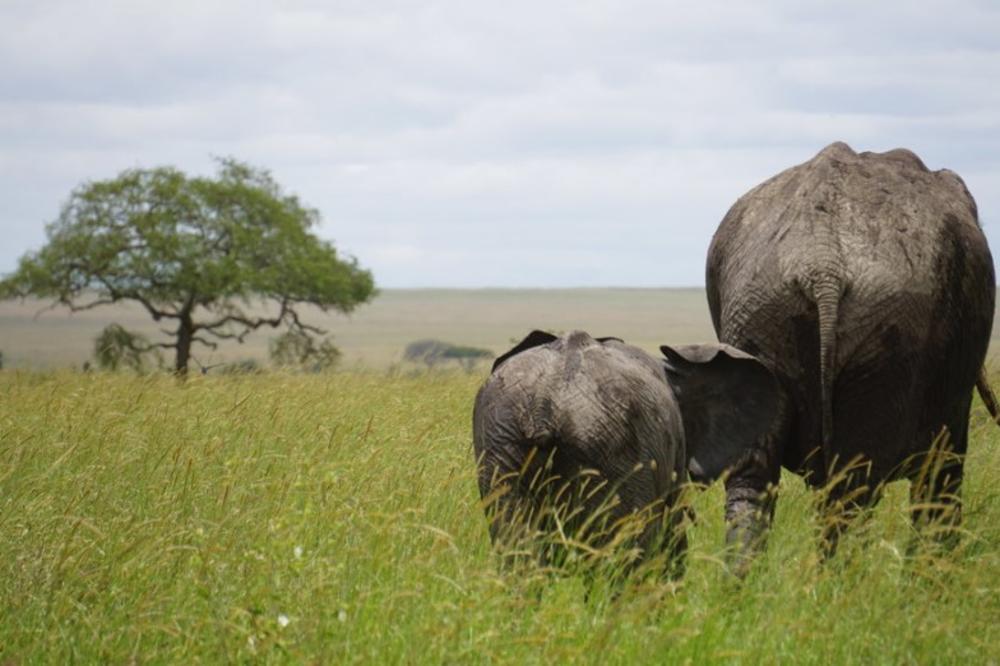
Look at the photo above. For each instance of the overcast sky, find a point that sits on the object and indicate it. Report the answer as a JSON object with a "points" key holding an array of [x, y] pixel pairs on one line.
{"points": [[511, 143]]}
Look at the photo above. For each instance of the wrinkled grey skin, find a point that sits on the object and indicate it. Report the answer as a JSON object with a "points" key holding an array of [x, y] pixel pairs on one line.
{"points": [[611, 412], [864, 282]]}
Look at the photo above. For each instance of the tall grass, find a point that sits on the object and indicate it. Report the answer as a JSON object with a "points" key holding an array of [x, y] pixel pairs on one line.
{"points": [[335, 518]]}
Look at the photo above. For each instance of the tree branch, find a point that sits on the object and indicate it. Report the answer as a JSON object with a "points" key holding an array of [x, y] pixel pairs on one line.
{"points": [[156, 313], [117, 295], [157, 345], [88, 306], [250, 324], [222, 335], [305, 327], [189, 303], [208, 343]]}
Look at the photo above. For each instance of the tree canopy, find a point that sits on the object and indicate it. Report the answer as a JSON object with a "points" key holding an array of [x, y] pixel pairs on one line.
{"points": [[204, 254]]}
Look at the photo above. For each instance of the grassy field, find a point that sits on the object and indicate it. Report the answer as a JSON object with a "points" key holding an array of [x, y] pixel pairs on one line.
{"points": [[334, 519]]}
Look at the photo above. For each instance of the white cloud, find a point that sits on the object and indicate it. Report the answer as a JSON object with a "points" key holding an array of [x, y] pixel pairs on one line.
{"points": [[455, 143]]}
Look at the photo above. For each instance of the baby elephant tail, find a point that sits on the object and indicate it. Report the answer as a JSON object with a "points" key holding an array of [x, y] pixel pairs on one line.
{"points": [[986, 393]]}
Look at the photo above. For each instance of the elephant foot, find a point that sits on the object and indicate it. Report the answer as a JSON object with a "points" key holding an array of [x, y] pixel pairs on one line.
{"points": [[747, 522]]}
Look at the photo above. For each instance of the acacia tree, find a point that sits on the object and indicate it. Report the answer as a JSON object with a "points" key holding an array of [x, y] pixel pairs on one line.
{"points": [[204, 254]]}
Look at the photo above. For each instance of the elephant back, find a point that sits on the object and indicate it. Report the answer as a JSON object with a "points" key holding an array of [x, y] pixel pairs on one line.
{"points": [[894, 251]]}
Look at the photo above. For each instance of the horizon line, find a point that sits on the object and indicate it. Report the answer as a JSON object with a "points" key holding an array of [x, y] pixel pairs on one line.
{"points": [[536, 287]]}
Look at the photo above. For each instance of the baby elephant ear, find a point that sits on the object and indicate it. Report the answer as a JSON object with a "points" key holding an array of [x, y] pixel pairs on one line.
{"points": [[533, 339], [727, 400]]}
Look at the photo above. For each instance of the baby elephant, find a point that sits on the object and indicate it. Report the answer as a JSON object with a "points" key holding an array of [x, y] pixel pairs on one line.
{"points": [[584, 443]]}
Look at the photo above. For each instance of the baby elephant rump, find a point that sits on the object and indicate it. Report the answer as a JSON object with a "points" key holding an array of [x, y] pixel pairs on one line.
{"points": [[585, 442]]}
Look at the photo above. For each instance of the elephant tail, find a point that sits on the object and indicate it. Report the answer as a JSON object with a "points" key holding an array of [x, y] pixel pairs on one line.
{"points": [[987, 395], [827, 295]]}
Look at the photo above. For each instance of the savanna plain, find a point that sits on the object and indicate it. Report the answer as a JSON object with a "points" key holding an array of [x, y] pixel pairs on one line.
{"points": [[334, 518]]}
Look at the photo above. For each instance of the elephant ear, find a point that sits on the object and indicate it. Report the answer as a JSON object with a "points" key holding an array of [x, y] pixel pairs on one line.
{"points": [[727, 400], [533, 339]]}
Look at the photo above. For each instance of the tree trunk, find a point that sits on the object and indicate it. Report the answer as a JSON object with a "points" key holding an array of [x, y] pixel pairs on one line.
{"points": [[185, 332]]}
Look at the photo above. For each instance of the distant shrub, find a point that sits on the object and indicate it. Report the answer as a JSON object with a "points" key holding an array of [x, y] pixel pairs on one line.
{"points": [[429, 352], [299, 350], [433, 352], [247, 366], [116, 347], [1, 360], [467, 356]]}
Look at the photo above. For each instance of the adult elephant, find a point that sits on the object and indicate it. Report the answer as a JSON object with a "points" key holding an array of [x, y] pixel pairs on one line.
{"points": [[574, 434], [865, 283]]}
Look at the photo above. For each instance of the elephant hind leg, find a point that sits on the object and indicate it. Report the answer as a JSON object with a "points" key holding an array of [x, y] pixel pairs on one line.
{"points": [[752, 493], [845, 502], [936, 488], [545, 506], [508, 476], [749, 513]]}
